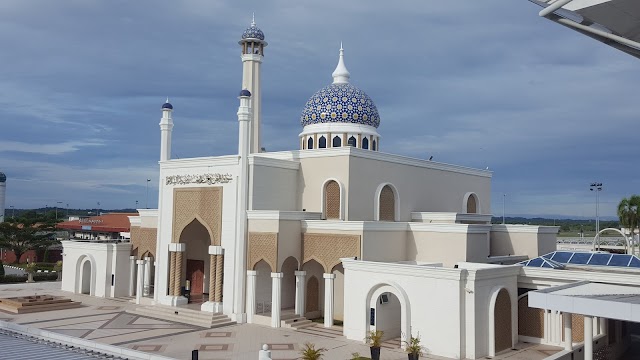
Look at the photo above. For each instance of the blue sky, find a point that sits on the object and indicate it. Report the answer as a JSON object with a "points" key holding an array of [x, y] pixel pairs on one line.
{"points": [[476, 83]]}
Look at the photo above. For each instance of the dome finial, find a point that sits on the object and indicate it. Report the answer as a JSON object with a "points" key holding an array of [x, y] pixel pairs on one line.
{"points": [[167, 100], [341, 74], [253, 19]]}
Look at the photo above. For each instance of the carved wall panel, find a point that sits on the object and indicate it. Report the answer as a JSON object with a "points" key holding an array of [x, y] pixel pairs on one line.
{"points": [[332, 200], [202, 203], [262, 246], [387, 204], [143, 241], [327, 249], [502, 321], [313, 295], [530, 320]]}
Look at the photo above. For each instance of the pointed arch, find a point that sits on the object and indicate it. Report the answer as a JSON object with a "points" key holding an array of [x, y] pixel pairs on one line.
{"points": [[310, 143], [365, 143], [322, 142], [352, 141], [471, 204], [336, 142]]}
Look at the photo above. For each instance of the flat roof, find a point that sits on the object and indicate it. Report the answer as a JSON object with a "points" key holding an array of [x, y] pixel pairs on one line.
{"points": [[613, 22], [611, 301]]}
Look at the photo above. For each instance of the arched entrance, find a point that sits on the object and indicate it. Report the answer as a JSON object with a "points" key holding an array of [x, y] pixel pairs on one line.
{"points": [[314, 301], [85, 287], [288, 269], [263, 288], [196, 268], [501, 329], [313, 297], [390, 311]]}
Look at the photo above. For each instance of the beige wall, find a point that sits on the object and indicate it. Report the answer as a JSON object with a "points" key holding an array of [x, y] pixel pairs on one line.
{"points": [[419, 189], [525, 242], [314, 172], [273, 188], [477, 247], [384, 245], [289, 241], [445, 248]]}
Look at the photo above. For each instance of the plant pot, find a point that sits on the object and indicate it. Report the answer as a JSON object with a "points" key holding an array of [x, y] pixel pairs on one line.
{"points": [[375, 352], [414, 356]]}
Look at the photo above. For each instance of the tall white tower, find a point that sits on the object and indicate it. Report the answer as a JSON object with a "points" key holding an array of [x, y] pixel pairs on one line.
{"points": [[3, 190], [253, 45], [166, 127]]}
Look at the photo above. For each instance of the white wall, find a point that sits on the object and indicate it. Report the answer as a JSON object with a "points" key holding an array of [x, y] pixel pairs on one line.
{"points": [[105, 259]]}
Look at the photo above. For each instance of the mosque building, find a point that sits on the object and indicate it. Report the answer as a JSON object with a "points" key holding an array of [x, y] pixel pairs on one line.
{"points": [[339, 230]]}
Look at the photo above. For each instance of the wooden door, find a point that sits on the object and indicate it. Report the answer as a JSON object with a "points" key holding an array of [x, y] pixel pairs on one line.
{"points": [[195, 274]]}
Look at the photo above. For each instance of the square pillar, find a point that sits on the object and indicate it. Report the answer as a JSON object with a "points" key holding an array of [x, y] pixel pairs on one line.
{"points": [[140, 280], [568, 331], [276, 299], [132, 275], [328, 299], [251, 294], [300, 292], [588, 337]]}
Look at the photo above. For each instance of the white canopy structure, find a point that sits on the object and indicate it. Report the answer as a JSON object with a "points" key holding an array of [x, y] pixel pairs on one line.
{"points": [[613, 22]]}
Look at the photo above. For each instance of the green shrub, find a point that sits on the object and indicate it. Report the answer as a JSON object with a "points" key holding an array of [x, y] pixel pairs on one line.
{"points": [[10, 279]]}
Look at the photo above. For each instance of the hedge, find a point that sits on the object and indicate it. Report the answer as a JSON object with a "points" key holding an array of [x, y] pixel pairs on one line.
{"points": [[6, 279]]}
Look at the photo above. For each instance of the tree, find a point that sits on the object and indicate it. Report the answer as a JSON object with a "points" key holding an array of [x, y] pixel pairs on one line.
{"points": [[22, 235], [628, 212]]}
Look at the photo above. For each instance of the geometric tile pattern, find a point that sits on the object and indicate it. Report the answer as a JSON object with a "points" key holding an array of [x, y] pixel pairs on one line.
{"points": [[216, 347], [281, 346], [149, 348], [216, 334]]}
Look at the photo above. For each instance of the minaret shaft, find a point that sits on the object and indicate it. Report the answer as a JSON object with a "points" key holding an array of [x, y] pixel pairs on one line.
{"points": [[251, 80]]}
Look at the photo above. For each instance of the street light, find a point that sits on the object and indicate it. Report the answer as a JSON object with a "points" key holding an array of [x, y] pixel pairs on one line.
{"points": [[147, 201], [97, 209], [504, 196], [57, 202], [13, 211], [597, 187], [136, 205]]}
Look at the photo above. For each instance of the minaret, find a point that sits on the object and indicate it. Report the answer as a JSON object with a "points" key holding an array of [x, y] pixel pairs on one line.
{"points": [[244, 119], [253, 45], [166, 127], [3, 190]]}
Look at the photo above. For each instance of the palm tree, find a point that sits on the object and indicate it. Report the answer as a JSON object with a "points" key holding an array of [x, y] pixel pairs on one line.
{"points": [[628, 213]]}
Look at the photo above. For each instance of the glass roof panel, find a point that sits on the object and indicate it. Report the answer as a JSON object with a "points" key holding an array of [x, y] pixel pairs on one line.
{"points": [[562, 256], [600, 259], [620, 260], [580, 258], [537, 262]]}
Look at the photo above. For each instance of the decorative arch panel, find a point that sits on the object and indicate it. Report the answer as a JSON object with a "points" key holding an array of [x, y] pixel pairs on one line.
{"points": [[143, 241], [202, 203], [328, 249], [262, 246]]}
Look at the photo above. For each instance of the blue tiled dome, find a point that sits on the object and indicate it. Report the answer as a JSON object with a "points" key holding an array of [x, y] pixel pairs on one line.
{"points": [[167, 106], [245, 92], [253, 32], [3, 177], [340, 103]]}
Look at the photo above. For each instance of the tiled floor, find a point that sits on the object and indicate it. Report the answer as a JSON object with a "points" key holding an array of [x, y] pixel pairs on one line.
{"points": [[107, 322]]}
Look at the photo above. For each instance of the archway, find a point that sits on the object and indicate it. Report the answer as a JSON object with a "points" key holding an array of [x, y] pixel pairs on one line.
{"points": [[314, 294], [332, 199], [322, 142], [626, 239], [85, 287], [288, 268], [471, 205], [263, 288], [196, 267], [500, 320], [530, 320], [393, 295]]}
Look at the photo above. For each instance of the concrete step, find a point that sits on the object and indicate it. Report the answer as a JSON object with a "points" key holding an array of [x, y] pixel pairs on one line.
{"points": [[183, 316]]}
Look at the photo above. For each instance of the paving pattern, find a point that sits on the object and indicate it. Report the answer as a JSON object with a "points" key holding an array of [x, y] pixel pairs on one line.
{"points": [[105, 321]]}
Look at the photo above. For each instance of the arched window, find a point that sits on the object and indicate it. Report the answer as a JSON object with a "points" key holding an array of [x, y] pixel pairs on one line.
{"points": [[332, 200], [322, 142], [365, 143], [352, 141], [373, 147], [387, 204], [472, 204], [310, 143], [337, 142]]}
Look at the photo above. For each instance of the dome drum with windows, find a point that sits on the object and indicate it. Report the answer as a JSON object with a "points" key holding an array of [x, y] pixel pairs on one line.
{"points": [[340, 114]]}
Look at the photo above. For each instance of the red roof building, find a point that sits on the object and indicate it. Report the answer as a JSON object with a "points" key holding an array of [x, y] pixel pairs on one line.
{"points": [[113, 226]]}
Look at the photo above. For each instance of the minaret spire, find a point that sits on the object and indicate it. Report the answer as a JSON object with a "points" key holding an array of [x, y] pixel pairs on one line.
{"points": [[253, 19], [341, 74]]}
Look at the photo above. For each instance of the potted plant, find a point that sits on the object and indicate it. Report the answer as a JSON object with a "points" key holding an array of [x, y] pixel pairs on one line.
{"points": [[58, 269], [413, 348], [30, 268], [374, 339], [309, 352]]}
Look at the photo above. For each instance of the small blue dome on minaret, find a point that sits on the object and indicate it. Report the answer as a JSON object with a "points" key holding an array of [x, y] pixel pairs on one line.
{"points": [[167, 105], [3, 177], [245, 92]]}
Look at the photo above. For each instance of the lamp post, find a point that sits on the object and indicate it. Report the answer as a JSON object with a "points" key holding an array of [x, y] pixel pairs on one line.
{"points": [[67, 211], [504, 197], [98, 209], [147, 201], [57, 202], [136, 208], [597, 187]]}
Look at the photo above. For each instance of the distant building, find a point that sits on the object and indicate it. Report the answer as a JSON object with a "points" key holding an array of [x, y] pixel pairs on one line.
{"points": [[106, 227]]}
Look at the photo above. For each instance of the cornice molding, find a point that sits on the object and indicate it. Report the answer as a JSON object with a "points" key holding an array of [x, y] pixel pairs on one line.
{"points": [[282, 215], [450, 228], [403, 269], [225, 160], [271, 162], [530, 229], [449, 216]]}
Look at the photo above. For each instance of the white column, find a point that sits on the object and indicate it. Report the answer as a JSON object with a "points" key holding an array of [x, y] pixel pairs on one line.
{"points": [[132, 275], [328, 299], [251, 294], [568, 331], [147, 276], [588, 337], [140, 280], [276, 298], [300, 292]]}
